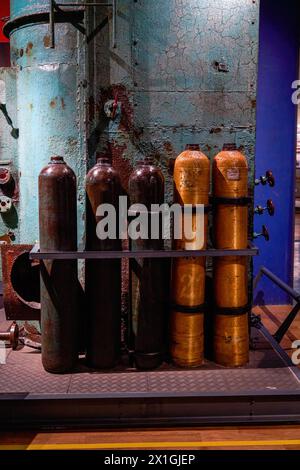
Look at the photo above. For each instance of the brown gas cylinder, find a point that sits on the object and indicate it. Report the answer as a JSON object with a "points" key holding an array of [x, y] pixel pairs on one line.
{"points": [[191, 185], [149, 276], [102, 276], [59, 282], [230, 189]]}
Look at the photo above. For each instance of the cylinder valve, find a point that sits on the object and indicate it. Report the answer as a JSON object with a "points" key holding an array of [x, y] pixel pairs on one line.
{"points": [[5, 176], [5, 204], [267, 179], [269, 207], [264, 233]]}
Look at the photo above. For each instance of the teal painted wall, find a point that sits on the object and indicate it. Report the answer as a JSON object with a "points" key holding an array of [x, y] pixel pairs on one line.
{"points": [[182, 72]]}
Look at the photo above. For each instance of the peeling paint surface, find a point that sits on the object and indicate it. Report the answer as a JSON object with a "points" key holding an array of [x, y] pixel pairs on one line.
{"points": [[49, 109], [183, 71], [187, 71]]}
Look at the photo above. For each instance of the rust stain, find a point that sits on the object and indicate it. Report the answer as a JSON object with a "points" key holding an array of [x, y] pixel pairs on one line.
{"points": [[121, 164], [21, 305], [91, 109], [63, 104], [30, 106], [46, 41], [253, 104], [171, 155], [53, 103], [215, 130], [29, 47], [123, 96], [21, 52], [168, 147]]}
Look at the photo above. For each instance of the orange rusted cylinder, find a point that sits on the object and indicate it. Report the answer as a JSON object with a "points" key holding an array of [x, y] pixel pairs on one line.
{"points": [[230, 189], [231, 340], [187, 338], [230, 180], [191, 181], [191, 184]]}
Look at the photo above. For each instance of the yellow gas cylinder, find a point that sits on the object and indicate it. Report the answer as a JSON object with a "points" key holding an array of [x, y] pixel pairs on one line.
{"points": [[230, 190], [191, 185]]}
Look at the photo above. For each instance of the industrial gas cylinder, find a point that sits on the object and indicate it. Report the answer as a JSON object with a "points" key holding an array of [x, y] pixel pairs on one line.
{"points": [[59, 282], [231, 340], [187, 337], [191, 185], [230, 189], [149, 276], [102, 276]]}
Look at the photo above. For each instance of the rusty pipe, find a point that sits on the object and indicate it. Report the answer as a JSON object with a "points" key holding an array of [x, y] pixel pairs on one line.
{"points": [[11, 336]]}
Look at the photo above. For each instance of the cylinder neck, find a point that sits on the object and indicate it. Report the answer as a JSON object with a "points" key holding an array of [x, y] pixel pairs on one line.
{"points": [[57, 159], [103, 161], [146, 161], [192, 147], [229, 147]]}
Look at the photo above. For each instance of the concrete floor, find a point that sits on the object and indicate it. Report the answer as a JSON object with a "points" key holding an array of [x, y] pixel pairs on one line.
{"points": [[237, 437]]}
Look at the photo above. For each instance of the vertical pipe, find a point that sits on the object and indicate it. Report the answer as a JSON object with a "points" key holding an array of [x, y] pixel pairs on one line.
{"points": [[51, 24], [114, 24]]}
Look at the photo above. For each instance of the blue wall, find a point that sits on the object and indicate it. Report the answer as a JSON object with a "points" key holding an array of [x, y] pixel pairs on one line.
{"points": [[276, 140]]}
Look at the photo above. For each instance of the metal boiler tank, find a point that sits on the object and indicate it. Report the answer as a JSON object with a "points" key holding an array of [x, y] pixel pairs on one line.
{"points": [[50, 97]]}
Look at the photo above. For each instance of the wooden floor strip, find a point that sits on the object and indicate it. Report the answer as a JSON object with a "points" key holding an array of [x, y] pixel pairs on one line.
{"points": [[153, 445]]}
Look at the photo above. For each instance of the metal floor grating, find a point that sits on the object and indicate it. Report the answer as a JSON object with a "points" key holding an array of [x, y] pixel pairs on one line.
{"points": [[23, 374]]}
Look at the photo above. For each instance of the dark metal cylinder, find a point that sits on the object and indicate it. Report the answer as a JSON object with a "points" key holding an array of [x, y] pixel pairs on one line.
{"points": [[149, 277], [103, 277], [59, 282]]}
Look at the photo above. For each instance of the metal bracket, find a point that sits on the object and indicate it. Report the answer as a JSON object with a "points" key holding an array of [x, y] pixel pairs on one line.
{"points": [[57, 7], [14, 132], [36, 254], [282, 330]]}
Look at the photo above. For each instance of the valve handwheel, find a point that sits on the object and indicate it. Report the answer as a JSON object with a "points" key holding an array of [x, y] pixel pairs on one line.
{"points": [[268, 178], [269, 207], [264, 233]]}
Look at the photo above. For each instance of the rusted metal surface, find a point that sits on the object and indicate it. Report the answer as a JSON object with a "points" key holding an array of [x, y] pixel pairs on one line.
{"points": [[149, 277], [191, 186], [184, 72], [103, 277], [59, 283], [20, 283], [11, 336]]}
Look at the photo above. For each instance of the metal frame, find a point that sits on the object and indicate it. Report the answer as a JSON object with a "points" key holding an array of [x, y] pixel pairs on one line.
{"points": [[282, 330], [59, 7], [36, 254], [22, 410]]}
